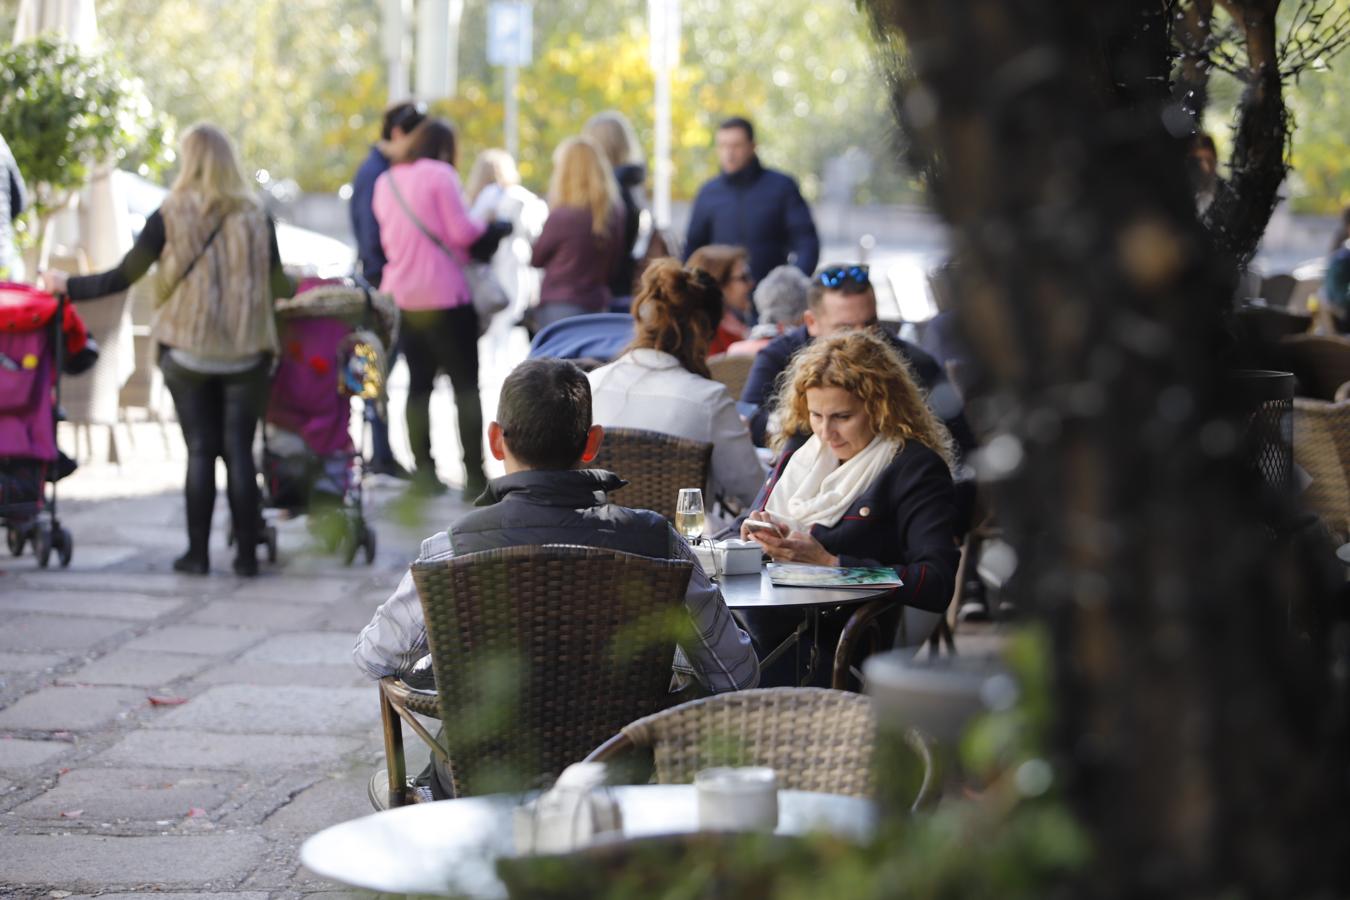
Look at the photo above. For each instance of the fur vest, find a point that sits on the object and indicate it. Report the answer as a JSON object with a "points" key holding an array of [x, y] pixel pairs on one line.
{"points": [[223, 306]]}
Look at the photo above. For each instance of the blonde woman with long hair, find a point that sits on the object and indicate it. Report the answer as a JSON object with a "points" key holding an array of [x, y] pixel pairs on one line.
{"points": [[615, 136], [219, 271], [871, 486], [582, 236]]}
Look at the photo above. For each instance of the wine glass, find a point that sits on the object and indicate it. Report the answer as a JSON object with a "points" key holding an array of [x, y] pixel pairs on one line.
{"points": [[689, 518]]}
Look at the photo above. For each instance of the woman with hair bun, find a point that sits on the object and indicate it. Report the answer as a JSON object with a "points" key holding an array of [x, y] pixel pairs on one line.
{"points": [[662, 383]]}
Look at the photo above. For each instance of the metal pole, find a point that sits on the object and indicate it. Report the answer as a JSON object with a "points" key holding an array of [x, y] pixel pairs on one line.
{"points": [[661, 206], [512, 113]]}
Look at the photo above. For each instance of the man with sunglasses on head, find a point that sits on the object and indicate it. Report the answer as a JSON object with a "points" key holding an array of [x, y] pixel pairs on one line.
{"points": [[750, 206], [396, 128], [841, 298]]}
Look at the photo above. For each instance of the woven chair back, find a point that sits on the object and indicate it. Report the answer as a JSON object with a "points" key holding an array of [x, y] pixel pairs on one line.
{"points": [[655, 466], [542, 652], [1322, 449], [733, 371], [816, 739], [1320, 363]]}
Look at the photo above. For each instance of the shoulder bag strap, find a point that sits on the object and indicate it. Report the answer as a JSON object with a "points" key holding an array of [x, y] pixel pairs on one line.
{"points": [[407, 210], [200, 253]]}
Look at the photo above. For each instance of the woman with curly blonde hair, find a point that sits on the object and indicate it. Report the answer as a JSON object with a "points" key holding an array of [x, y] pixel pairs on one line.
{"points": [[582, 236], [872, 486]]}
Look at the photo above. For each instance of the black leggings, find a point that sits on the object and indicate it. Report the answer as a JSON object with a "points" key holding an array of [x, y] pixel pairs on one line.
{"points": [[443, 340], [219, 415]]}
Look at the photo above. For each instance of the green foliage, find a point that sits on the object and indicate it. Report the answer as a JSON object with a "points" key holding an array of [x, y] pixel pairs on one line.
{"points": [[63, 112], [301, 85]]}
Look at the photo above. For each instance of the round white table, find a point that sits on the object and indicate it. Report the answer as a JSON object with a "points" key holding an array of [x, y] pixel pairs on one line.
{"points": [[751, 592], [450, 848]]}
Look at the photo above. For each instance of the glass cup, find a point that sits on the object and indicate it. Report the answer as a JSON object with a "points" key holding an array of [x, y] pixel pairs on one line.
{"points": [[689, 517]]}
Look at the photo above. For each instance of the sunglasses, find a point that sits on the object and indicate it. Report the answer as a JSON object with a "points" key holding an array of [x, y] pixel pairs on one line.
{"points": [[834, 276]]}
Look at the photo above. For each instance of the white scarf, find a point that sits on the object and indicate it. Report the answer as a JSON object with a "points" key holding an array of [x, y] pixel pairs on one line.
{"points": [[816, 489]]}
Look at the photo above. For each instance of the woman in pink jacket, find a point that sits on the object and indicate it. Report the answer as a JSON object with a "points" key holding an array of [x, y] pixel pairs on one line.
{"points": [[426, 231]]}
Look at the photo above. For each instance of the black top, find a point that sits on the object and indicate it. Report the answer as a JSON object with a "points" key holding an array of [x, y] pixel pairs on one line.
{"points": [[770, 362], [149, 245], [906, 519], [629, 177]]}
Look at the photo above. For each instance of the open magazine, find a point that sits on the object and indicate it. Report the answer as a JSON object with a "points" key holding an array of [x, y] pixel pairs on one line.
{"points": [[799, 575]]}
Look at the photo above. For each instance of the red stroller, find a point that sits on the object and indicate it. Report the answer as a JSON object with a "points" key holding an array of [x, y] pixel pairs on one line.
{"points": [[38, 333]]}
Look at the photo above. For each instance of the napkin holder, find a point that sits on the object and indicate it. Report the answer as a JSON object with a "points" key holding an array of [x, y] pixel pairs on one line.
{"points": [[570, 815], [739, 557]]}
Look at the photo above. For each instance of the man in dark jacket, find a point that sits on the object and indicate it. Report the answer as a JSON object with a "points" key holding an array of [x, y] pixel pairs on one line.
{"points": [[753, 207], [842, 298], [543, 434], [399, 122]]}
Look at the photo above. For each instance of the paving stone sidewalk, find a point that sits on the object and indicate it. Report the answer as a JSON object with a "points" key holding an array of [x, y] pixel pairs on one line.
{"points": [[171, 737]]}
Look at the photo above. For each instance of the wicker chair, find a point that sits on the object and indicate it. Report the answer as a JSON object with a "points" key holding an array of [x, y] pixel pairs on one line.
{"points": [[733, 371], [539, 653], [814, 738], [655, 465], [1322, 449], [1321, 364]]}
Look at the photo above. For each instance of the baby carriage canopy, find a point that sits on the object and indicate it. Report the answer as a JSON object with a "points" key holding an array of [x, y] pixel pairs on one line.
{"points": [[28, 369]]}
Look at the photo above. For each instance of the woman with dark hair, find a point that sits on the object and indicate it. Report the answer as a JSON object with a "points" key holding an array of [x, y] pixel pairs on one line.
{"points": [[426, 232], [661, 383], [730, 268]]}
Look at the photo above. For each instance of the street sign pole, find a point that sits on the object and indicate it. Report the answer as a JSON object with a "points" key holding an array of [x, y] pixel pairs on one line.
{"points": [[512, 112], [510, 44]]}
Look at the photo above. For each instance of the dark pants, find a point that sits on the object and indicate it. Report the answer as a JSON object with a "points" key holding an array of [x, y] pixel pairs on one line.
{"points": [[219, 415], [435, 341]]}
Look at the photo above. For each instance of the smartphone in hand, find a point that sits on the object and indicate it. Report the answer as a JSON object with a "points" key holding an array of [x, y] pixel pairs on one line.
{"points": [[760, 525]]}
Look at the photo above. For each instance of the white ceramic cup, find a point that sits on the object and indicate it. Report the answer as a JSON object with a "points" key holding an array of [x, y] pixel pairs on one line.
{"points": [[737, 799]]}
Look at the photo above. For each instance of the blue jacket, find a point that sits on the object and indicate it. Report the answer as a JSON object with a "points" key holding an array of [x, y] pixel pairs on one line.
{"points": [[758, 209], [369, 251]]}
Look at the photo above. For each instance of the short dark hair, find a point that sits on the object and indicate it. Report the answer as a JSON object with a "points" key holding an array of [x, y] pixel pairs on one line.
{"points": [[815, 294], [545, 413], [405, 116], [741, 123]]}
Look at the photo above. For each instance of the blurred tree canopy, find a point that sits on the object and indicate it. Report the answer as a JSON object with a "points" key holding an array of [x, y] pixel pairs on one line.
{"points": [[301, 84]]}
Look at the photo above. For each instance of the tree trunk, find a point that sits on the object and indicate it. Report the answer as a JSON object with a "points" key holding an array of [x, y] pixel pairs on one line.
{"points": [[1194, 28], [1238, 217], [1200, 743]]}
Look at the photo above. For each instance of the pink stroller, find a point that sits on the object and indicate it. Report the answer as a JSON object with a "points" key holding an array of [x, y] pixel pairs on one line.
{"points": [[36, 332], [333, 339]]}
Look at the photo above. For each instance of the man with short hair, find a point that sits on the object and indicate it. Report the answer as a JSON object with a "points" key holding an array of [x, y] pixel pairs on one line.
{"points": [[750, 206], [841, 298], [544, 434], [399, 122]]}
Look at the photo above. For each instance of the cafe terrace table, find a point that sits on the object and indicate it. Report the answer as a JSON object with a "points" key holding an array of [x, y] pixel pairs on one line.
{"points": [[451, 847], [759, 592]]}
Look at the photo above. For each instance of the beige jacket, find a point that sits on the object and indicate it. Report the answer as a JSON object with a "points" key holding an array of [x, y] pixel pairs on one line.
{"points": [[223, 307]]}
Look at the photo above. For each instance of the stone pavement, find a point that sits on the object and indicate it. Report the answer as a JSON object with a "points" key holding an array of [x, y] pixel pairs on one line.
{"points": [[167, 736]]}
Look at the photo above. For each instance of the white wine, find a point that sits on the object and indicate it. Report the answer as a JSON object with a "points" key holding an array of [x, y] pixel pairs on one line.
{"points": [[689, 524]]}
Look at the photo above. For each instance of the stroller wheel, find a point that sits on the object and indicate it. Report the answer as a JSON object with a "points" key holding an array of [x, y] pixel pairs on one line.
{"points": [[64, 545], [270, 538], [16, 539], [42, 545], [369, 544]]}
